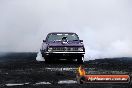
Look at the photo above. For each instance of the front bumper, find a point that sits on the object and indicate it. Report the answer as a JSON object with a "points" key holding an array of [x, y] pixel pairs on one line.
{"points": [[65, 52], [64, 55]]}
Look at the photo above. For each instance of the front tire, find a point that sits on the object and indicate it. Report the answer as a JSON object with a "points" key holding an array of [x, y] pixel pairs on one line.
{"points": [[80, 60], [47, 60]]}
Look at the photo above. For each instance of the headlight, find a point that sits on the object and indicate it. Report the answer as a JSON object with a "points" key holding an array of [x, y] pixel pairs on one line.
{"points": [[50, 49], [80, 49]]}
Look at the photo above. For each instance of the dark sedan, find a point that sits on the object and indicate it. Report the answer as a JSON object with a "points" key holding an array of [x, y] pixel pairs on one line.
{"points": [[63, 45]]}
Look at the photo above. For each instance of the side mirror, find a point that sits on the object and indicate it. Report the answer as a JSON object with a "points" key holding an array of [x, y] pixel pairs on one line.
{"points": [[81, 40], [44, 40]]}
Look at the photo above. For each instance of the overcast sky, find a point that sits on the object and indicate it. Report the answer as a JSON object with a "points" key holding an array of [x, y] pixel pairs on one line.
{"points": [[104, 25]]}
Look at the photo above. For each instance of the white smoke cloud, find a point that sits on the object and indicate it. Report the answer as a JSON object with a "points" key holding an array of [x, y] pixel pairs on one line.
{"points": [[39, 57], [104, 25]]}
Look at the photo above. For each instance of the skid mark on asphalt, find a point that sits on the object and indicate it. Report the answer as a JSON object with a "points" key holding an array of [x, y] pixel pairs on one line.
{"points": [[61, 69], [42, 83], [16, 84], [67, 82]]}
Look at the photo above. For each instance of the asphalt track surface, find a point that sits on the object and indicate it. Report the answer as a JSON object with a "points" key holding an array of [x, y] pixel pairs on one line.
{"points": [[21, 70]]}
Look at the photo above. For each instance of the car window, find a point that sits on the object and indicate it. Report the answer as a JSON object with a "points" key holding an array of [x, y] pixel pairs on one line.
{"points": [[58, 37]]}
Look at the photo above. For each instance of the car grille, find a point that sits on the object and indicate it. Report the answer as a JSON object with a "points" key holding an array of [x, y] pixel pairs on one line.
{"points": [[65, 49]]}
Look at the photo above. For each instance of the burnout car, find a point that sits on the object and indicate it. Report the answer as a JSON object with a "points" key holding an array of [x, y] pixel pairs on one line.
{"points": [[63, 45]]}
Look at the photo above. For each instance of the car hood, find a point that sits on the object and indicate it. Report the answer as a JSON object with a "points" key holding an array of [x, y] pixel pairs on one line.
{"points": [[69, 43]]}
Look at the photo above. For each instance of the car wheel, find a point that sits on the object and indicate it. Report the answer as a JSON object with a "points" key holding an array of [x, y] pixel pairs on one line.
{"points": [[80, 60], [47, 60]]}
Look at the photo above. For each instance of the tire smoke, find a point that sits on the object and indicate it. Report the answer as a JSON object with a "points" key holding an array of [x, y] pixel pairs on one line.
{"points": [[104, 26], [39, 57]]}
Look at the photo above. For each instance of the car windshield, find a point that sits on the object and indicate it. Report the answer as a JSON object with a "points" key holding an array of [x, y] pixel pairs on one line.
{"points": [[59, 37]]}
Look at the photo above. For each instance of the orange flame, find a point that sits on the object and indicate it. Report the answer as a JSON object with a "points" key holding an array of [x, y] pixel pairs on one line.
{"points": [[81, 71]]}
